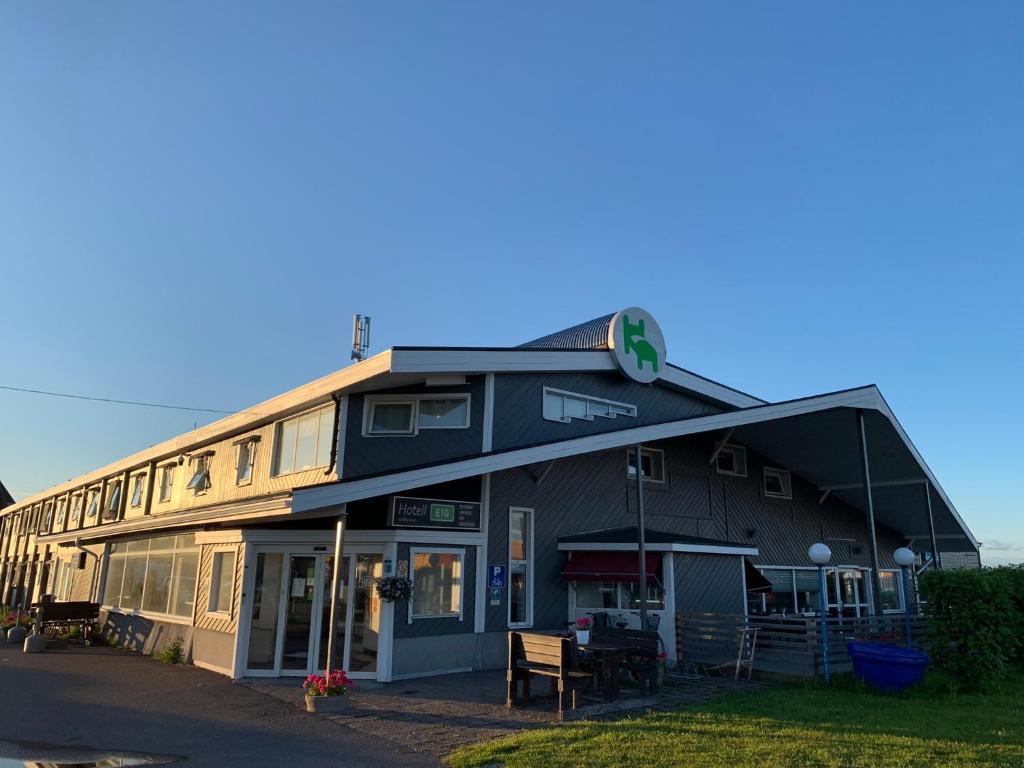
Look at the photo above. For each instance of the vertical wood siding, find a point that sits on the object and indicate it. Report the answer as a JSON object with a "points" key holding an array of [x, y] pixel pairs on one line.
{"points": [[204, 620]]}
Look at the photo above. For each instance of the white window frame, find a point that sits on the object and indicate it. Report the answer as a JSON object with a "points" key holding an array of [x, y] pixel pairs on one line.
{"points": [[114, 500], [461, 552], [275, 463], [371, 401], [529, 568], [784, 477], [615, 408], [93, 507], [75, 510], [166, 483], [201, 473], [735, 451], [631, 452], [251, 442], [216, 566], [138, 490], [899, 589], [172, 618]]}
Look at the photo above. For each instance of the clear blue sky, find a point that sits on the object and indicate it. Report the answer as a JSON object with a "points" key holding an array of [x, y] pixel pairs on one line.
{"points": [[195, 198]]}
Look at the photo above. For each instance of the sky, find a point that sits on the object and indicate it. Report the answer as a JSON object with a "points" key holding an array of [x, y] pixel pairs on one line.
{"points": [[196, 197]]}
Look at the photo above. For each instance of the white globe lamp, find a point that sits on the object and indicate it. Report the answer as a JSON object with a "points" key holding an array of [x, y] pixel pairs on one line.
{"points": [[819, 554], [904, 557]]}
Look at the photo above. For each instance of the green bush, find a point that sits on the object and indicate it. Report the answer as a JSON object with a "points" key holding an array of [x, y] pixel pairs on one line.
{"points": [[975, 623], [172, 654]]}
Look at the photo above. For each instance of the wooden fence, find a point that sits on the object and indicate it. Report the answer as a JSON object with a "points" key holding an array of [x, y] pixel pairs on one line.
{"points": [[789, 647]]}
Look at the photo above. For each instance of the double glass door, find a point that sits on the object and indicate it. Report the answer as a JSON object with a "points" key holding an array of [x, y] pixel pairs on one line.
{"points": [[289, 624]]}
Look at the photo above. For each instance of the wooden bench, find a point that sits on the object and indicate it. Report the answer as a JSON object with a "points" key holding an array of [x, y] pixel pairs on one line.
{"points": [[62, 616], [545, 656], [642, 650]]}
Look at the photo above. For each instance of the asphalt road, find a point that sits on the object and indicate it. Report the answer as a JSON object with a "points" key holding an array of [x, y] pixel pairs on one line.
{"points": [[70, 702]]}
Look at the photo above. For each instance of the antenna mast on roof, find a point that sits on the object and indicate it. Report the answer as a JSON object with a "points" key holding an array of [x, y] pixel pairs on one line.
{"points": [[360, 337]]}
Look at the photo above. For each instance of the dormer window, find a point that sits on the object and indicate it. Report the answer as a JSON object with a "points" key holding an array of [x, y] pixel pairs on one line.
{"points": [[732, 460], [200, 481], [76, 510], [777, 484], [304, 442]]}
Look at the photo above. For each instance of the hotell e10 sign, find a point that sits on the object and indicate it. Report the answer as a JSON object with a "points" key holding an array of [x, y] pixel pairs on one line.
{"points": [[409, 512]]}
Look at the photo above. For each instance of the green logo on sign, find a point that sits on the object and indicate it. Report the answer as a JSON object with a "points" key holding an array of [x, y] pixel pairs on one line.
{"points": [[633, 334], [442, 513]]}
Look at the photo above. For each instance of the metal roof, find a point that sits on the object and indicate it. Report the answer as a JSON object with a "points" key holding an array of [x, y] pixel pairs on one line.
{"points": [[592, 334], [5, 498]]}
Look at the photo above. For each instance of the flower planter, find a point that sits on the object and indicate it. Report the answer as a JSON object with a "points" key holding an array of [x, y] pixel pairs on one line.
{"points": [[326, 705], [582, 636]]}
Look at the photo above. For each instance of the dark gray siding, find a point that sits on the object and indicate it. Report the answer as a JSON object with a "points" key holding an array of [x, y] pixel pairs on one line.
{"points": [[708, 583], [373, 455], [589, 492], [518, 401], [440, 626]]}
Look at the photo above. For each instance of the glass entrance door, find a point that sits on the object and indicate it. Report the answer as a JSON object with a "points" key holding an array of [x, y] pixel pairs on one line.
{"points": [[290, 618], [299, 616]]}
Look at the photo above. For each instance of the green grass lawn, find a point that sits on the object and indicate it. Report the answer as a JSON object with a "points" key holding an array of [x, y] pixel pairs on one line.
{"points": [[787, 725]]}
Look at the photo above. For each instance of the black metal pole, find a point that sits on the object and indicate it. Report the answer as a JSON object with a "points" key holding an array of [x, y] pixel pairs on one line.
{"points": [[641, 543], [936, 561], [869, 510]]}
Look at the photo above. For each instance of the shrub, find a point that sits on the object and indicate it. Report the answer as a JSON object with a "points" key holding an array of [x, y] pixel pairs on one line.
{"points": [[975, 620], [172, 654]]}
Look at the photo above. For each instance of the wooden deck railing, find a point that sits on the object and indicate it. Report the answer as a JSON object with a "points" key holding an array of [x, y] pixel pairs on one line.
{"points": [[789, 646]]}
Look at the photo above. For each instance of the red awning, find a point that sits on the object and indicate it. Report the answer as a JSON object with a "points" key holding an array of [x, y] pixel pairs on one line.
{"points": [[610, 566]]}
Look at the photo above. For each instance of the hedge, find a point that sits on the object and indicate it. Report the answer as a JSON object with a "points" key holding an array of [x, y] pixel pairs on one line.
{"points": [[975, 623]]}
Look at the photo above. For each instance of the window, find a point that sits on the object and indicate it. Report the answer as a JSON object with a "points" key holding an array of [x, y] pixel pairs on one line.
{"points": [[62, 509], [613, 595], [139, 484], [201, 475], [437, 583], [114, 500], [520, 559], [732, 460], [777, 484], [94, 502], [222, 582], [153, 575], [47, 518], [76, 510], [305, 441], [245, 461], [563, 406], [651, 460], [385, 415], [892, 592], [166, 481], [445, 413]]}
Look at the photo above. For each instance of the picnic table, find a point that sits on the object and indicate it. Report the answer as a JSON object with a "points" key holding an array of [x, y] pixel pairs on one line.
{"points": [[608, 657]]}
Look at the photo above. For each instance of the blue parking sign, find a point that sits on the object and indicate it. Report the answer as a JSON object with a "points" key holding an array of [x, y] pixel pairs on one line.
{"points": [[496, 576]]}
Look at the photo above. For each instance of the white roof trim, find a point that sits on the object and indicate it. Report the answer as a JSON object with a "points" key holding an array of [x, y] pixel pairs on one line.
{"points": [[868, 398], [704, 549], [353, 490]]}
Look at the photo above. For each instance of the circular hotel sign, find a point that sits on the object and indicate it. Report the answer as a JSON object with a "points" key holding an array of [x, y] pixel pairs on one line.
{"points": [[636, 344]]}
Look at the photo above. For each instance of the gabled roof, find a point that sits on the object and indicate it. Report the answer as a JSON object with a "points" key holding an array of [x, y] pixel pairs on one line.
{"points": [[5, 498]]}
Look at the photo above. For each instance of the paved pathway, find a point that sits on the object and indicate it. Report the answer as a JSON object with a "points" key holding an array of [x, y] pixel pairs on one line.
{"points": [[74, 701], [438, 714]]}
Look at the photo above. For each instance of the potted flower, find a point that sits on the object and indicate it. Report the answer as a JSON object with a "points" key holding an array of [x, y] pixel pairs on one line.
{"points": [[392, 588], [583, 630], [327, 694]]}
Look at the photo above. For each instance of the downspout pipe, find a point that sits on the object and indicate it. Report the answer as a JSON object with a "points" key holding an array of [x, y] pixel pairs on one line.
{"points": [[334, 443]]}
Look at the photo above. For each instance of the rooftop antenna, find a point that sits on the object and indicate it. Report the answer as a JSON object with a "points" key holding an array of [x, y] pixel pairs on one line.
{"points": [[360, 337]]}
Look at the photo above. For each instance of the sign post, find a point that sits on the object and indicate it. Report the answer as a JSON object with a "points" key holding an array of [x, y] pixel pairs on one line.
{"points": [[332, 636]]}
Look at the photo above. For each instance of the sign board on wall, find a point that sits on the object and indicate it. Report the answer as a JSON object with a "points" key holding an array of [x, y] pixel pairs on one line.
{"points": [[496, 576], [408, 512], [636, 344]]}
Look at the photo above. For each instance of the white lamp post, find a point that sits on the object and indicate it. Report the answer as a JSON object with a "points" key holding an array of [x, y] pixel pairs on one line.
{"points": [[820, 554], [905, 558]]}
